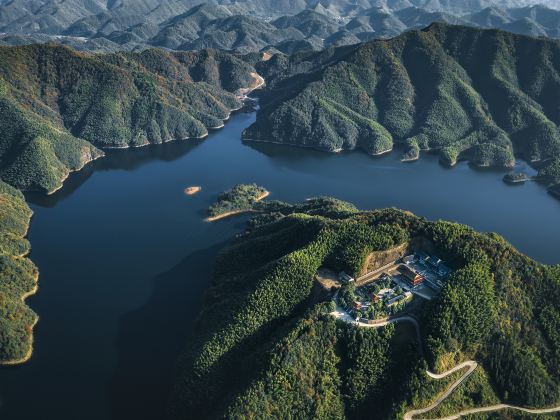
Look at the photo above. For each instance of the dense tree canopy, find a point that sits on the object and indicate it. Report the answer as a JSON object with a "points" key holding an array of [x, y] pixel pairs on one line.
{"points": [[56, 105], [18, 277], [479, 95], [268, 347]]}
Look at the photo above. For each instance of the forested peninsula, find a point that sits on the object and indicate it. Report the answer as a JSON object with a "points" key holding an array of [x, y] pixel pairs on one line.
{"points": [[485, 96], [268, 346], [59, 108]]}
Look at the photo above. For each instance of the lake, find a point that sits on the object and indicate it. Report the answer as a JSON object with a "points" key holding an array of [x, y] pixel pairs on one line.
{"points": [[125, 256]]}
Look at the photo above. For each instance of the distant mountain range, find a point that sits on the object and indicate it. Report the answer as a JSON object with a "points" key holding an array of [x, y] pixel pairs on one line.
{"points": [[248, 26]]}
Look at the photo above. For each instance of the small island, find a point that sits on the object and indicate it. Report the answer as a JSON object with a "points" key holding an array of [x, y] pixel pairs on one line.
{"points": [[516, 178], [240, 199], [192, 190]]}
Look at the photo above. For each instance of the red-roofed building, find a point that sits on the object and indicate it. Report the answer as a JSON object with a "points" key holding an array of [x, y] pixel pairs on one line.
{"points": [[413, 277]]}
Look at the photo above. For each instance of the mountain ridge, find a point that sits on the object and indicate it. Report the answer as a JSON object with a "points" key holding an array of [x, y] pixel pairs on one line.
{"points": [[67, 105], [313, 25], [480, 95]]}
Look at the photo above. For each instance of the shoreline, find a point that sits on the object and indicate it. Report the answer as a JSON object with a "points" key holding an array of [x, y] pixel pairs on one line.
{"points": [[242, 98], [515, 182], [31, 336], [60, 185], [304, 146], [237, 212], [383, 152], [71, 171], [27, 356], [138, 146], [403, 160]]}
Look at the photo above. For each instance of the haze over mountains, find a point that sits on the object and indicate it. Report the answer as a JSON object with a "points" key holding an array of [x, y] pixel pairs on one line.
{"points": [[252, 25]]}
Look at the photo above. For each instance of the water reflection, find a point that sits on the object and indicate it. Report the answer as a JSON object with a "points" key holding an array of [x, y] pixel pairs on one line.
{"points": [[117, 159]]}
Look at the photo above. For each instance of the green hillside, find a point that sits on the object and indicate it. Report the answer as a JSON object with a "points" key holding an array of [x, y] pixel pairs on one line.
{"points": [[481, 95], [268, 347], [58, 107], [18, 277]]}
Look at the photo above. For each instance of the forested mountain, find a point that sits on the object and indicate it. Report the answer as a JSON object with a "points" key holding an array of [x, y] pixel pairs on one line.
{"points": [[251, 25], [51, 16], [535, 20], [215, 27], [18, 277], [57, 107], [480, 95], [267, 345]]}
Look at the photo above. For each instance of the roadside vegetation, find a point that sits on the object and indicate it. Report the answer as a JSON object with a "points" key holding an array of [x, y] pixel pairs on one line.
{"points": [[419, 390], [475, 391], [267, 345]]}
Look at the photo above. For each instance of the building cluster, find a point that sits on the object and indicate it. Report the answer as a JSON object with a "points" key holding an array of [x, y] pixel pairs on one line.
{"points": [[421, 268], [377, 300], [419, 273]]}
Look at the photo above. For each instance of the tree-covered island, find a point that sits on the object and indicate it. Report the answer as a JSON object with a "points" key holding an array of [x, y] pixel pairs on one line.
{"points": [[240, 199]]}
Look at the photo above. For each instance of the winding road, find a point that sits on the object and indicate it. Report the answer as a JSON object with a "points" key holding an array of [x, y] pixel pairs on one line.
{"points": [[471, 365]]}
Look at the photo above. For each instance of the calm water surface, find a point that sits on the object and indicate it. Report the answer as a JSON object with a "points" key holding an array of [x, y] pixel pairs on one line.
{"points": [[125, 257]]}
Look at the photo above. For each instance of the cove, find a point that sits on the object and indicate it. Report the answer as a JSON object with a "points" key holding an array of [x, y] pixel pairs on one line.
{"points": [[125, 256]]}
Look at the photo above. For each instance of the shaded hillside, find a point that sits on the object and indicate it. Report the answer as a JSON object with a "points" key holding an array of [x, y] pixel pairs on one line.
{"points": [[268, 347], [208, 26], [469, 94], [18, 278], [58, 106]]}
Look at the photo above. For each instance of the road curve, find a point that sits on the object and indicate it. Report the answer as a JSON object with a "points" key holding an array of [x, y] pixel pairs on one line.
{"points": [[472, 365], [500, 407], [339, 313]]}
